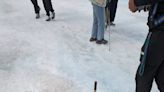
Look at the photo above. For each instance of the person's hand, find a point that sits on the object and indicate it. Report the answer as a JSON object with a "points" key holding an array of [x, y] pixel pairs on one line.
{"points": [[132, 6]]}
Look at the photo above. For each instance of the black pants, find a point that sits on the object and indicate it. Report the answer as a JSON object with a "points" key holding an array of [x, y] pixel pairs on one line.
{"points": [[48, 6], [113, 9], [154, 67], [36, 6], [107, 13]]}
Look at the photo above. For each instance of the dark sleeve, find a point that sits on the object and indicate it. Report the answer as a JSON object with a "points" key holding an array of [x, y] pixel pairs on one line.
{"points": [[146, 2]]}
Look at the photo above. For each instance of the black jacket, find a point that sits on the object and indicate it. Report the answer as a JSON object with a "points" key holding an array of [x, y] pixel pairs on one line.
{"points": [[160, 10]]}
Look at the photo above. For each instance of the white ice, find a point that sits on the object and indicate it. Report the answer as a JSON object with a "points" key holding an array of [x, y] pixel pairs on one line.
{"points": [[56, 56]]}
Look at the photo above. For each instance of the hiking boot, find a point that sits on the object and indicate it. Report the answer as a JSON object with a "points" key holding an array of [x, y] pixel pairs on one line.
{"points": [[37, 16], [48, 19], [92, 39], [112, 24], [53, 15], [38, 13], [103, 41]]}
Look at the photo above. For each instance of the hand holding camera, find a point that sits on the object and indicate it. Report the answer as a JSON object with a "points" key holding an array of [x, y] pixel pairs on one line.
{"points": [[133, 8]]}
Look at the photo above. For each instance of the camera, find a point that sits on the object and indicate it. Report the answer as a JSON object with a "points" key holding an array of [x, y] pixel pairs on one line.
{"points": [[144, 8]]}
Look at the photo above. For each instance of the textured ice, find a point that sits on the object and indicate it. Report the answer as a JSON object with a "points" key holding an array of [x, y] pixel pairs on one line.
{"points": [[56, 56]]}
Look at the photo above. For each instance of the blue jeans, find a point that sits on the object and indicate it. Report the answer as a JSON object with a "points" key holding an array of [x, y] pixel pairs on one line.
{"points": [[98, 22]]}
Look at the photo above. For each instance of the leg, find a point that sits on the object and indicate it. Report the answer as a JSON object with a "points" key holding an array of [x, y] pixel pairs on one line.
{"points": [[36, 6], [113, 9], [50, 6], [100, 12], [160, 78], [95, 24], [46, 7], [100, 15], [107, 13], [51, 9], [153, 60], [144, 83]]}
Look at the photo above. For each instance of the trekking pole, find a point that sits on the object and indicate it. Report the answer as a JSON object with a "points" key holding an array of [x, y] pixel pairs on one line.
{"points": [[109, 40], [95, 86], [109, 32], [107, 22]]}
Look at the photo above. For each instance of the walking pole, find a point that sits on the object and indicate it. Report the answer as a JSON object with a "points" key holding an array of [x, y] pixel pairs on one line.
{"points": [[109, 28], [95, 86], [107, 22]]}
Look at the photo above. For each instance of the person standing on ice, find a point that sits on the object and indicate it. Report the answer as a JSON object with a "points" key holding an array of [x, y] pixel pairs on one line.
{"points": [[152, 56], [48, 8], [98, 21]]}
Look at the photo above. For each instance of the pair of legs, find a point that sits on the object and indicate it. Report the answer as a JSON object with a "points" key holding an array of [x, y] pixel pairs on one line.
{"points": [[47, 5], [98, 24], [154, 67]]}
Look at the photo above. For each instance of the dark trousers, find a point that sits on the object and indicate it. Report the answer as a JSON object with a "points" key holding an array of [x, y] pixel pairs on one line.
{"points": [[154, 67], [48, 6], [36, 6], [107, 13], [113, 9]]}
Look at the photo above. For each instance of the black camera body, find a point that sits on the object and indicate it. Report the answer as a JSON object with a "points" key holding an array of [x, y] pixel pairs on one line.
{"points": [[144, 8]]}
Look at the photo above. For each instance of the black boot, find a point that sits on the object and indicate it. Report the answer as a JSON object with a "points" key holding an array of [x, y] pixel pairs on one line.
{"points": [[53, 15], [38, 13], [37, 16], [103, 41], [92, 39], [112, 24], [48, 19]]}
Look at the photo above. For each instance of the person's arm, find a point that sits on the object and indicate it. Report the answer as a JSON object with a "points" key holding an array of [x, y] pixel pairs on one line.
{"points": [[146, 2]]}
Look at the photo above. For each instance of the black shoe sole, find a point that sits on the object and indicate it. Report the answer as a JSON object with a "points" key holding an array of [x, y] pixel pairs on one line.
{"points": [[48, 19], [101, 42]]}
